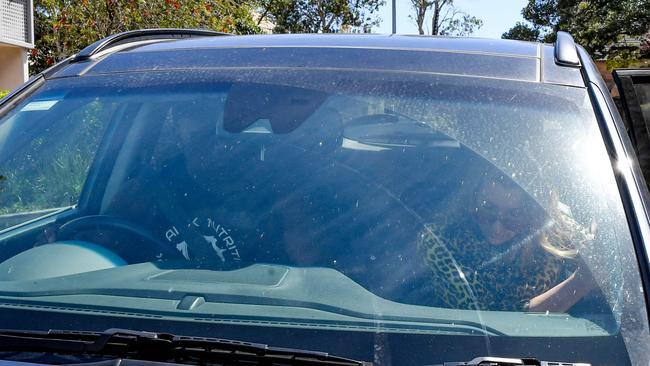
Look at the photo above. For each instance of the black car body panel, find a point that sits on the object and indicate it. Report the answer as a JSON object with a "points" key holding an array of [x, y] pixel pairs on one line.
{"points": [[259, 303], [463, 56]]}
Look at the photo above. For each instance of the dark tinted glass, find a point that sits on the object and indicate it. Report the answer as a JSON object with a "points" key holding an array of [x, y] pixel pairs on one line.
{"points": [[338, 200]]}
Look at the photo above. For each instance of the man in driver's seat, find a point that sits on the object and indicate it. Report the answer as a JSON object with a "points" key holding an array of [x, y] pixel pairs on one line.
{"points": [[188, 197], [221, 198]]}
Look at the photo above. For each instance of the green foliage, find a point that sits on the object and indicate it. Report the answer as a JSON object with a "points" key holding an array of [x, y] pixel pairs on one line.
{"points": [[598, 25], [3, 93], [324, 16], [51, 170], [623, 59], [522, 32], [464, 26], [63, 27]]}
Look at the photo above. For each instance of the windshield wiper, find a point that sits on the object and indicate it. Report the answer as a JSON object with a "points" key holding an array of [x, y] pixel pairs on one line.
{"points": [[163, 347], [499, 361]]}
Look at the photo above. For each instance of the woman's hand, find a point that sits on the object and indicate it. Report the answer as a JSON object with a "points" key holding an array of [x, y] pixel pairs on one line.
{"points": [[563, 296]]}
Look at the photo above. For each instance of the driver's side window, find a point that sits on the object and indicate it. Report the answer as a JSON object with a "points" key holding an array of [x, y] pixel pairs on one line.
{"points": [[45, 163]]}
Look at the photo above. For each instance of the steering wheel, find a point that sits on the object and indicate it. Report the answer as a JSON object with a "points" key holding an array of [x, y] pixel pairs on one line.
{"points": [[112, 223]]}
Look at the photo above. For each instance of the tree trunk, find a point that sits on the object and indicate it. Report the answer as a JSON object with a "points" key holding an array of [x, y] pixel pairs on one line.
{"points": [[421, 12], [110, 12], [322, 23], [263, 15], [435, 21], [645, 45]]}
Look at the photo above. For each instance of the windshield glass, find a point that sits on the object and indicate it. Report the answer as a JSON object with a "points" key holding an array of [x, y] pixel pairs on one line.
{"points": [[371, 215]]}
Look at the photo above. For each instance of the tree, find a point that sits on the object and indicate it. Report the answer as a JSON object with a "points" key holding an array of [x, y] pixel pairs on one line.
{"points": [[319, 16], [598, 25], [645, 45], [522, 32], [420, 7], [63, 27], [446, 19]]}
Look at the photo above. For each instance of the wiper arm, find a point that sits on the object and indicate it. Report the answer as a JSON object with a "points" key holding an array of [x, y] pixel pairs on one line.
{"points": [[163, 347], [499, 361]]}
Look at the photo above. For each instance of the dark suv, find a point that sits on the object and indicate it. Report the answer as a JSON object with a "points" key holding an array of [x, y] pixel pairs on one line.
{"points": [[319, 199]]}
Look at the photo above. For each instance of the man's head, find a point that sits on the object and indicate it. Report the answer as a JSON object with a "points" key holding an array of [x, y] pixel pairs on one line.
{"points": [[195, 126]]}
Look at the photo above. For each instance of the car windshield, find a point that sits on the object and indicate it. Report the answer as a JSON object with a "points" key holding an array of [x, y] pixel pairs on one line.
{"points": [[401, 216]]}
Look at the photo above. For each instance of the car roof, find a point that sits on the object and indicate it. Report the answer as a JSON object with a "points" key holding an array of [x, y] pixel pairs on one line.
{"points": [[491, 58], [366, 41]]}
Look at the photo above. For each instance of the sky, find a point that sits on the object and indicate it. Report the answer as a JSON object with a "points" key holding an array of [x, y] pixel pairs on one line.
{"points": [[498, 16]]}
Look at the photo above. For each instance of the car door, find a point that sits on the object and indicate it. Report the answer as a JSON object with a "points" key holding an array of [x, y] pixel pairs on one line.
{"points": [[634, 89]]}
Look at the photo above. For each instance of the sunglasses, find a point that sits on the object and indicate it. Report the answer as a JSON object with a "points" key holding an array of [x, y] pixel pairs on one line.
{"points": [[514, 219]]}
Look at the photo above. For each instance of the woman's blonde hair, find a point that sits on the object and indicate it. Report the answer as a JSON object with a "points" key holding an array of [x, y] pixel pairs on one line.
{"points": [[563, 236], [559, 233]]}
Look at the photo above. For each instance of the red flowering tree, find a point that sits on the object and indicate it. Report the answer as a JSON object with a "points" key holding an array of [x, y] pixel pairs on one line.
{"points": [[63, 27]]}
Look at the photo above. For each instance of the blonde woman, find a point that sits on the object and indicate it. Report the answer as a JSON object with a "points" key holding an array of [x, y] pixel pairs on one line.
{"points": [[501, 251]]}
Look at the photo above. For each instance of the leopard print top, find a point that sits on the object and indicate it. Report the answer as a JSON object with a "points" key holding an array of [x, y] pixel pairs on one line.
{"points": [[469, 273]]}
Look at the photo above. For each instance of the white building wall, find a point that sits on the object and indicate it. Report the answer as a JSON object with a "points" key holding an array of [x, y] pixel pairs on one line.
{"points": [[16, 39], [13, 66]]}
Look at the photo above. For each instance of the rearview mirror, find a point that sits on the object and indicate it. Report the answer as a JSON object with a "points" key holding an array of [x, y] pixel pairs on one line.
{"points": [[283, 108]]}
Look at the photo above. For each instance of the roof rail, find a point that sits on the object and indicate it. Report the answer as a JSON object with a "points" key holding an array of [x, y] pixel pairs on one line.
{"points": [[141, 35], [566, 53]]}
